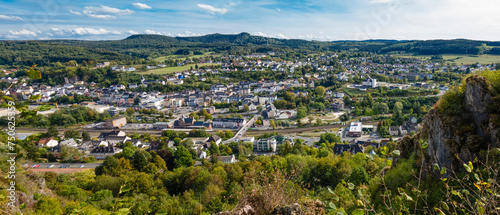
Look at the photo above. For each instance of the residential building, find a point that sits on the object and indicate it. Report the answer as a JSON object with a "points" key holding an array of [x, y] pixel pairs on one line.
{"points": [[351, 148], [265, 145], [227, 159], [47, 142]]}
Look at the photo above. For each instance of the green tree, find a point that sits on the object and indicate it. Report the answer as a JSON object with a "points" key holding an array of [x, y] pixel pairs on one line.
{"points": [[130, 111], [320, 90], [369, 100], [85, 135], [246, 108], [381, 108], [398, 108], [52, 131], [71, 134], [182, 157], [140, 159], [229, 134], [359, 176], [272, 124], [48, 206], [301, 112]]}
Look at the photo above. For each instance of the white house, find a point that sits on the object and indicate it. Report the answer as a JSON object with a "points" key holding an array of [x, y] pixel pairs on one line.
{"points": [[370, 83]]}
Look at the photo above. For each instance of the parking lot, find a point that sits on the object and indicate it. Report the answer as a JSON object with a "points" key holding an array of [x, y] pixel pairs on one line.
{"points": [[58, 165]]}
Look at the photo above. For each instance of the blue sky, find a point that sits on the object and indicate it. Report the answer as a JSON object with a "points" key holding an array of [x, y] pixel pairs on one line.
{"points": [[298, 19]]}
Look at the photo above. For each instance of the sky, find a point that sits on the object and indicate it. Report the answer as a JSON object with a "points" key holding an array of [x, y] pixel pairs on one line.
{"points": [[324, 20]]}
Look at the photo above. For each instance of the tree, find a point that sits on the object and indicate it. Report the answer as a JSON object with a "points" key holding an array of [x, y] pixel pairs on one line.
{"points": [[246, 108], [359, 176], [369, 100], [140, 159], [52, 131], [229, 134], [381, 108], [49, 206], [182, 157], [398, 107], [285, 149], [188, 143], [320, 90], [85, 135], [130, 111], [357, 111], [301, 112], [368, 112], [272, 124], [71, 134]]}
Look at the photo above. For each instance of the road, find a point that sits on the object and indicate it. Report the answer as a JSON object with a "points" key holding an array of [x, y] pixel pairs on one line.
{"points": [[305, 129], [242, 131]]}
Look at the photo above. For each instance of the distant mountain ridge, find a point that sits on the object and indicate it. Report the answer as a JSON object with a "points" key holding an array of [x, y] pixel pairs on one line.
{"points": [[151, 46]]}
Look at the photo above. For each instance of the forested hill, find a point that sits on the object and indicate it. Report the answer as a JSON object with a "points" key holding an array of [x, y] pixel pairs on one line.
{"points": [[29, 53], [143, 46], [418, 47]]}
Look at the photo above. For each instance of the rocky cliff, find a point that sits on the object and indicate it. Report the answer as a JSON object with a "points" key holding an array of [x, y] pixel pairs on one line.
{"points": [[474, 127]]}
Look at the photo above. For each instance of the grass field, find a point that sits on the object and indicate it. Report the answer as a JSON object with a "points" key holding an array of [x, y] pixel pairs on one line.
{"points": [[461, 59], [168, 70], [355, 92]]}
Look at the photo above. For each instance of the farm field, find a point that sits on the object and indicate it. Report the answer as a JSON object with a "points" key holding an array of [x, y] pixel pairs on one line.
{"points": [[461, 59]]}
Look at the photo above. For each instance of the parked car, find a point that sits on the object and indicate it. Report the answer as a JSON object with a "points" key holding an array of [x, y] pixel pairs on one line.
{"points": [[81, 166], [51, 166], [62, 166], [36, 166], [26, 165]]}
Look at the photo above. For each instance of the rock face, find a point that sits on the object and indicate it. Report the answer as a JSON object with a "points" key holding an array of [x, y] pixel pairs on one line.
{"points": [[288, 210], [473, 130]]}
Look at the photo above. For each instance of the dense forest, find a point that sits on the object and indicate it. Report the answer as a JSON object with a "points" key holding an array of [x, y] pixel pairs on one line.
{"points": [[45, 52]]}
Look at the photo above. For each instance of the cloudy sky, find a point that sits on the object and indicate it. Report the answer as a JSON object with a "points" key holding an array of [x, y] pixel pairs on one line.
{"points": [[302, 19]]}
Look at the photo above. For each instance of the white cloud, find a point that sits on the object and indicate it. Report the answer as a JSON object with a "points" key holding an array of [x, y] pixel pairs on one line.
{"points": [[279, 10], [21, 34], [104, 12], [132, 32], [141, 6], [279, 36], [212, 10], [152, 32], [92, 31], [75, 12], [10, 18], [232, 4], [82, 31]]}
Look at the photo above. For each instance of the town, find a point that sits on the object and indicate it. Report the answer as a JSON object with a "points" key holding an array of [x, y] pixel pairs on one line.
{"points": [[345, 108]]}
